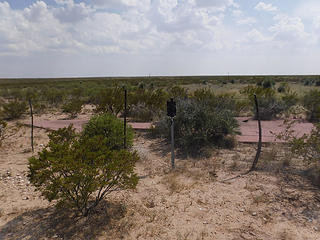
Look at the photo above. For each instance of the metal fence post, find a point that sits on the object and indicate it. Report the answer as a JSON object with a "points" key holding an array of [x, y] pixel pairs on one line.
{"points": [[31, 114], [172, 142]]}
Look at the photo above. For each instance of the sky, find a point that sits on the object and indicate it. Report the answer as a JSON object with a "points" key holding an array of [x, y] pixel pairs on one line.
{"points": [[80, 38]]}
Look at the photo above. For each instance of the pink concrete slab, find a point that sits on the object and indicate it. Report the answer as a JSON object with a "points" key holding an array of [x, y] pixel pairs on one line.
{"points": [[248, 128]]}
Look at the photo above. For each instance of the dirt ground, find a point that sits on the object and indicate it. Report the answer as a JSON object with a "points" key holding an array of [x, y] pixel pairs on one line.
{"points": [[205, 198]]}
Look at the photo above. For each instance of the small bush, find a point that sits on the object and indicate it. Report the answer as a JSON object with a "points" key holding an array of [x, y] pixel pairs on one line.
{"points": [[318, 83], [141, 85], [268, 84], [141, 113], [109, 100], [73, 108], [14, 110], [111, 128], [3, 126], [283, 88], [178, 92], [146, 105], [78, 172], [199, 124], [307, 146], [54, 96], [311, 101], [269, 105]]}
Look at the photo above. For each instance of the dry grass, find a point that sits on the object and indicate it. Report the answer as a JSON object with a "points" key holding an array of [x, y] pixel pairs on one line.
{"points": [[286, 235], [173, 182]]}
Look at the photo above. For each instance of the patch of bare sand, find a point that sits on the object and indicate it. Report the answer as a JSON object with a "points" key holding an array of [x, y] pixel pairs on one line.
{"points": [[192, 202]]}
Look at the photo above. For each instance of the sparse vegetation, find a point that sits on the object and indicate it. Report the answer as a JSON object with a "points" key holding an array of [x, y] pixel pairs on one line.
{"points": [[73, 167], [3, 126], [311, 102], [73, 107], [14, 109]]}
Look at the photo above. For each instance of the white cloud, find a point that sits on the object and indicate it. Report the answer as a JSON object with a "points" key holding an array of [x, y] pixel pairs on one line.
{"points": [[242, 19], [261, 6], [255, 36], [71, 12], [103, 29], [217, 4], [246, 21], [289, 30]]}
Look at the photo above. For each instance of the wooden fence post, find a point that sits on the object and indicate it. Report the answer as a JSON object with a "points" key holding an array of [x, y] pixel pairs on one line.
{"points": [[254, 164], [31, 113]]}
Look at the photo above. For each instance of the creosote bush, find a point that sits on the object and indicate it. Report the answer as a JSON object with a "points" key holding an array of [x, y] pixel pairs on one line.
{"points": [[111, 128], [269, 104], [78, 171], [3, 126], [311, 101], [199, 124], [109, 100], [14, 109], [73, 107], [307, 146]]}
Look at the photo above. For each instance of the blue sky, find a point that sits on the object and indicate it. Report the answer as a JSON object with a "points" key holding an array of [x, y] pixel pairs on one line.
{"points": [[63, 38]]}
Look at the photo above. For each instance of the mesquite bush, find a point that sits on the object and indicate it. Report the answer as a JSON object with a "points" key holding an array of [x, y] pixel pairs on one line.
{"points": [[80, 170]]}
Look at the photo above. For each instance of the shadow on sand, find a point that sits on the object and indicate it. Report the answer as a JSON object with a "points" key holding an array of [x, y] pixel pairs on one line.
{"points": [[52, 223]]}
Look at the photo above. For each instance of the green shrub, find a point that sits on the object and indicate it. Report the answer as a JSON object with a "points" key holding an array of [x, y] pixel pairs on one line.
{"points": [[269, 108], [111, 128], [198, 124], [290, 98], [14, 110], [54, 96], [307, 147], [311, 101], [178, 92], [218, 102], [146, 105], [268, 83], [141, 85], [259, 83], [3, 126], [79, 172], [283, 88], [307, 83], [73, 107], [110, 100], [318, 83], [141, 113], [269, 104]]}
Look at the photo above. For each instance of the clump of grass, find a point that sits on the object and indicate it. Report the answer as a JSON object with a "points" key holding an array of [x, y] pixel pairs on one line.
{"points": [[285, 235], [173, 183]]}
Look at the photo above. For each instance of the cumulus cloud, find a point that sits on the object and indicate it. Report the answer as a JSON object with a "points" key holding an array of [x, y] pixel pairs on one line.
{"points": [[267, 7], [254, 37], [289, 30], [71, 12], [217, 4]]}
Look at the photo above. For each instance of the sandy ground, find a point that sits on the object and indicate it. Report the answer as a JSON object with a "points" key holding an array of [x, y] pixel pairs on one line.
{"points": [[203, 198]]}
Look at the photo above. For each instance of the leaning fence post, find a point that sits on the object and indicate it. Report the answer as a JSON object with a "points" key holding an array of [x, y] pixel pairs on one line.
{"points": [[171, 112], [125, 120], [260, 136], [31, 114]]}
